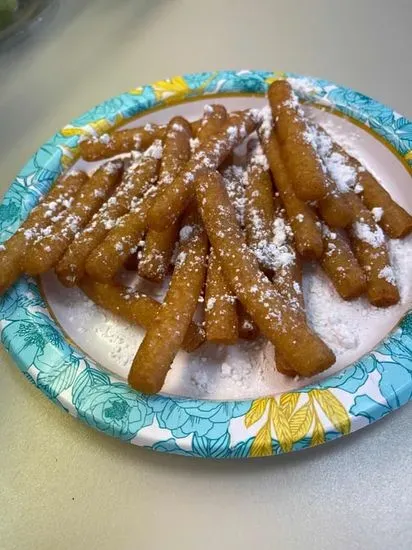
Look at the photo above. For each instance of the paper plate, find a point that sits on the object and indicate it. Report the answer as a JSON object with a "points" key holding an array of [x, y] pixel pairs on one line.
{"points": [[337, 404]]}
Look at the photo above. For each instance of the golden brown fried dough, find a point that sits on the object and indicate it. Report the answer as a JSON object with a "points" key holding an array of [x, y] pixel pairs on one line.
{"points": [[121, 141], [220, 306], [369, 247], [271, 312], [341, 266], [50, 246], [134, 307], [259, 207], [303, 220], [58, 199], [164, 338], [159, 245], [121, 241], [176, 196], [140, 175], [393, 219], [296, 141]]}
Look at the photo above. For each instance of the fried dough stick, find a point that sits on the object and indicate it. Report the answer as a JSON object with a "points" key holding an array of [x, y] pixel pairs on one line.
{"points": [[259, 206], [136, 308], [50, 246], [158, 248], [340, 265], [393, 219], [369, 247], [107, 258], [139, 176], [303, 220], [220, 311], [296, 141], [164, 338], [287, 274], [58, 199], [121, 141]]}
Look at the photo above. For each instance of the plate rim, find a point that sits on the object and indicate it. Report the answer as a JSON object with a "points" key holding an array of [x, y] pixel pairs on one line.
{"points": [[367, 390]]}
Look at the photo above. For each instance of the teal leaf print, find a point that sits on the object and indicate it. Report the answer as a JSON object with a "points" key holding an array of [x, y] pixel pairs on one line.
{"points": [[56, 380], [215, 448], [242, 449], [190, 416], [169, 446], [88, 379], [399, 133], [22, 296], [8, 213]]}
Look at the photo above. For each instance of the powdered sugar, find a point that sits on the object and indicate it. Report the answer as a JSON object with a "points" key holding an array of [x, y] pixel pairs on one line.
{"points": [[258, 157], [246, 369], [377, 213], [194, 144], [234, 181], [266, 122], [155, 150], [210, 304], [181, 257], [303, 86], [343, 174], [388, 274], [374, 237]]}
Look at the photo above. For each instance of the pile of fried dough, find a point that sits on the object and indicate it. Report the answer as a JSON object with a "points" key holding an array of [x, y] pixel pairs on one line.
{"points": [[226, 208]]}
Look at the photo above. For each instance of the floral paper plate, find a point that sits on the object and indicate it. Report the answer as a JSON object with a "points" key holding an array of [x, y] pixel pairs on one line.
{"points": [[366, 391]]}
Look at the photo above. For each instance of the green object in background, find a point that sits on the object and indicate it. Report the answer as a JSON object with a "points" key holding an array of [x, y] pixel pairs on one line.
{"points": [[8, 5], [7, 9]]}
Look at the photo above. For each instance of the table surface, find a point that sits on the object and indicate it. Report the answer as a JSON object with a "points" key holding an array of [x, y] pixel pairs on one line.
{"points": [[65, 486]]}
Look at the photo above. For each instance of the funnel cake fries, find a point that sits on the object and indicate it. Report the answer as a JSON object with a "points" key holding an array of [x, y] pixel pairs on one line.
{"points": [[295, 139], [59, 198], [176, 196], [137, 179], [221, 215], [165, 336], [52, 242], [122, 141], [158, 248], [276, 318], [135, 307]]}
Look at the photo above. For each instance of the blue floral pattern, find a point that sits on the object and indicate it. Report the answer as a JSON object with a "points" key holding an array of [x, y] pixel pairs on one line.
{"points": [[216, 429]]}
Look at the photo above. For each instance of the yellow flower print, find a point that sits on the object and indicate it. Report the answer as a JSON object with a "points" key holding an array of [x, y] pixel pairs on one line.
{"points": [[137, 91], [94, 128], [275, 76], [282, 419], [68, 154], [176, 88]]}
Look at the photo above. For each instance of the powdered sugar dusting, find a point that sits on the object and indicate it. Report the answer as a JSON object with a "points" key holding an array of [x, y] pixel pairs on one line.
{"points": [[266, 122], [155, 150], [374, 237], [388, 274], [233, 180], [246, 369], [377, 213]]}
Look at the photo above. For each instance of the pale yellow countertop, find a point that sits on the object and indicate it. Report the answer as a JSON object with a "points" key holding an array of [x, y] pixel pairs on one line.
{"points": [[65, 486]]}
